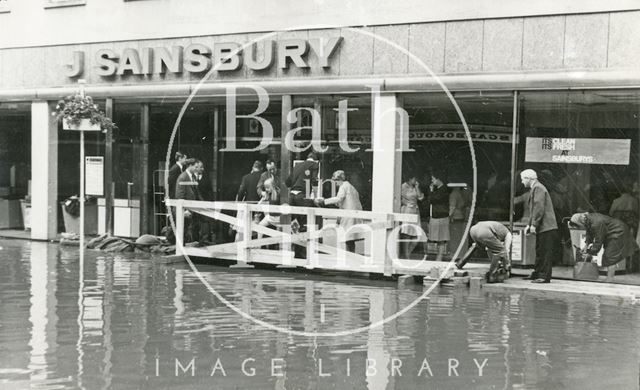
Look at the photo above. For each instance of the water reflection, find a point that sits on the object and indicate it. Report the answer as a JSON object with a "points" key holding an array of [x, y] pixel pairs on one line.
{"points": [[132, 323]]}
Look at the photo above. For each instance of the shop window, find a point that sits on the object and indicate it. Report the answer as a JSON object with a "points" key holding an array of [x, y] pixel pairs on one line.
{"points": [[15, 150], [441, 148], [249, 133], [351, 116], [584, 146], [127, 150]]}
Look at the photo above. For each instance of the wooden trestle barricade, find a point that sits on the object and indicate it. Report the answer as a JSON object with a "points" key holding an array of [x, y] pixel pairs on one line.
{"points": [[325, 245]]}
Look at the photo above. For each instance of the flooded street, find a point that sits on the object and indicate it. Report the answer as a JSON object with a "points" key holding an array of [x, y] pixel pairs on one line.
{"points": [[132, 323]]}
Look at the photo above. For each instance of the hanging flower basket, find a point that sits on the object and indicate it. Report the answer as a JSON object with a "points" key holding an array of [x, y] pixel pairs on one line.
{"points": [[85, 125], [79, 112]]}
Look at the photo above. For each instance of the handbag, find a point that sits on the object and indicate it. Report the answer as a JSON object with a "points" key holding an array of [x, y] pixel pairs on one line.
{"points": [[585, 270]]}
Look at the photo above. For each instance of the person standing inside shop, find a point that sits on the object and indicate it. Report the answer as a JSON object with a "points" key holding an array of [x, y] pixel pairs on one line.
{"points": [[441, 213], [272, 173], [270, 196], [248, 184], [626, 207], [301, 181], [206, 193], [175, 171], [247, 193], [410, 194], [187, 189], [542, 223]]}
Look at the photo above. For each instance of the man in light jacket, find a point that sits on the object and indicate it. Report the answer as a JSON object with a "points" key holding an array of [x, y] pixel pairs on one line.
{"points": [[347, 198], [542, 223]]}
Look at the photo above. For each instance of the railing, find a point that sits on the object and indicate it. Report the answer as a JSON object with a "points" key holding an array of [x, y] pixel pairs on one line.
{"points": [[324, 246]]}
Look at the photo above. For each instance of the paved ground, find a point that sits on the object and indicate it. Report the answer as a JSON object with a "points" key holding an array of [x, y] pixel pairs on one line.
{"points": [[608, 292]]}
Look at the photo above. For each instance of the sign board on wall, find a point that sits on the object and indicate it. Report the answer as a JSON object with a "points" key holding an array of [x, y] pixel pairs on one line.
{"points": [[578, 150], [418, 135], [94, 175]]}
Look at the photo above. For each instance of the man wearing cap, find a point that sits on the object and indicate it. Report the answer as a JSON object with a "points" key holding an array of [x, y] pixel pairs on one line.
{"points": [[497, 239], [347, 198], [542, 223]]}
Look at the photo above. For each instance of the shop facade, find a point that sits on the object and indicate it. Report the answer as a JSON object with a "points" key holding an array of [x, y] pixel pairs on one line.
{"points": [[559, 94]]}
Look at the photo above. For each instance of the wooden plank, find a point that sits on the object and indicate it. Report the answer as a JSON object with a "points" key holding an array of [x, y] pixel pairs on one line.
{"points": [[108, 171], [243, 254], [145, 207], [333, 213], [312, 248], [179, 228]]}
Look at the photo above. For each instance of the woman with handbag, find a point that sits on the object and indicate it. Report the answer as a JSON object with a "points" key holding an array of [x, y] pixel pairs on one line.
{"points": [[610, 233]]}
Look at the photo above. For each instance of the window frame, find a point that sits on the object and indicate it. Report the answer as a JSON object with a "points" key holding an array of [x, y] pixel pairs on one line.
{"points": [[63, 3]]}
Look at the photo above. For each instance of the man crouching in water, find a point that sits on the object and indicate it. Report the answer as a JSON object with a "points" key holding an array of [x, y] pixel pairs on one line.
{"points": [[497, 239]]}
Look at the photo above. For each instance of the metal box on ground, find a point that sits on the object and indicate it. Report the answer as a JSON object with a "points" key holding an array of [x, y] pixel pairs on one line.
{"points": [[523, 246]]}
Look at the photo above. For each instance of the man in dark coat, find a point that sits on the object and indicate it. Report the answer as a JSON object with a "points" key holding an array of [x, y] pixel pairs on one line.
{"points": [[610, 233], [272, 173], [247, 191], [187, 189], [301, 181], [542, 223], [175, 171]]}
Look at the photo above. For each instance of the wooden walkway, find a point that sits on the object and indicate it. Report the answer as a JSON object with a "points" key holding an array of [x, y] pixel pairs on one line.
{"points": [[324, 245]]}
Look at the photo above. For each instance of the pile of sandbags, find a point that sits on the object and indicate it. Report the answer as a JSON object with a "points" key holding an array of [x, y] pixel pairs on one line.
{"points": [[145, 243]]}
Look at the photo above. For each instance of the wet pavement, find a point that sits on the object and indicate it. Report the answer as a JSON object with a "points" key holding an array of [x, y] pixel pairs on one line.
{"points": [[130, 323]]}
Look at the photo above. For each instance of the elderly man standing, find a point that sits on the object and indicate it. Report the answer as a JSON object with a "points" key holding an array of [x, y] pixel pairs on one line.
{"points": [[347, 198], [542, 223]]}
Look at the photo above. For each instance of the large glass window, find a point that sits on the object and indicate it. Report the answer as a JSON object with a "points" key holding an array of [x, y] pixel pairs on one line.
{"points": [[350, 115], [440, 146], [584, 146], [15, 161], [126, 150]]}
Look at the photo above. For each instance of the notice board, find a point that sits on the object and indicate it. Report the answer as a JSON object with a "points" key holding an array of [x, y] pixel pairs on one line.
{"points": [[94, 175], [606, 151]]}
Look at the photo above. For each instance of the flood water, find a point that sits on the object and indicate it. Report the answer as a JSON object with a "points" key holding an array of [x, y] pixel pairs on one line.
{"points": [[130, 323]]}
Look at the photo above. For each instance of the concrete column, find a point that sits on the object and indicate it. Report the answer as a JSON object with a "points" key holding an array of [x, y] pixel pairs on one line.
{"points": [[44, 171], [387, 170], [387, 157]]}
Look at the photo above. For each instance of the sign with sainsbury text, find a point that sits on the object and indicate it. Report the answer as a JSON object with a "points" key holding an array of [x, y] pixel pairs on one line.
{"points": [[605, 151]]}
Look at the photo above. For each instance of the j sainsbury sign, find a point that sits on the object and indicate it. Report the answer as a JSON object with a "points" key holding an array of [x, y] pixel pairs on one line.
{"points": [[200, 58]]}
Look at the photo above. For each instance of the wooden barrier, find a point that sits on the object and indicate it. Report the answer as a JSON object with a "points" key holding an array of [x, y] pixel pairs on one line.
{"points": [[377, 229]]}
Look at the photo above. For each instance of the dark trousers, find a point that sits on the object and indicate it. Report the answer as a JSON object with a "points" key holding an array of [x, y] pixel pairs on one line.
{"points": [[300, 201], [546, 250]]}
